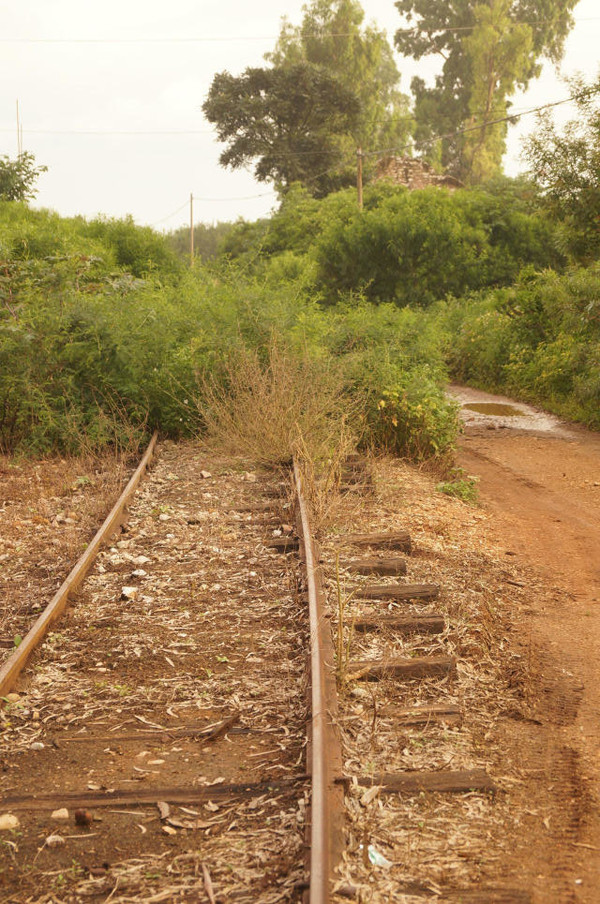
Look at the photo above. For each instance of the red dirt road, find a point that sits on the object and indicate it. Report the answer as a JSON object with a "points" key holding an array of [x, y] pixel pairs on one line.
{"points": [[539, 480]]}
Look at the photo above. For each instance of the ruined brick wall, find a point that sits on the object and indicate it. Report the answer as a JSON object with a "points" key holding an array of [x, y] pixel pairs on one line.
{"points": [[412, 173]]}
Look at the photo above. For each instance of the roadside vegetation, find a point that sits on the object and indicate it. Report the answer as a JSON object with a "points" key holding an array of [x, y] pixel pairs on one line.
{"points": [[105, 335]]}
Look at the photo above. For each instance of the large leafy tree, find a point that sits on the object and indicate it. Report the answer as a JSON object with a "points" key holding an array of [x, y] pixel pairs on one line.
{"points": [[18, 177], [333, 36], [287, 119], [565, 163], [489, 49]]}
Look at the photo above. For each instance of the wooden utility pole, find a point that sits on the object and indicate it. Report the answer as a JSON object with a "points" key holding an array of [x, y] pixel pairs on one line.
{"points": [[19, 133], [359, 177], [191, 230]]}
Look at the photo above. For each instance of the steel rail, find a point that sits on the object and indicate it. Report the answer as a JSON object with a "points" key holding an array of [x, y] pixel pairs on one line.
{"points": [[325, 750], [15, 664]]}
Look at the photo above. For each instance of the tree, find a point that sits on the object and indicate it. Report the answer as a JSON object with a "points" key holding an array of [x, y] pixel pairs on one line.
{"points": [[489, 48], [289, 119], [566, 166], [207, 239], [332, 36], [18, 177]]}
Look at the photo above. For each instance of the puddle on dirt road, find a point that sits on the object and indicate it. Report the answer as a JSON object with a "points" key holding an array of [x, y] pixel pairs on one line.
{"points": [[495, 408], [483, 411]]}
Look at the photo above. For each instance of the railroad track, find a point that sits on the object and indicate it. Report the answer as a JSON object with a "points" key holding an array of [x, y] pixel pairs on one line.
{"points": [[155, 743]]}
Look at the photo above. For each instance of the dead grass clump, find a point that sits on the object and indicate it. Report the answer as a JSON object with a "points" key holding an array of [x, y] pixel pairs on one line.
{"points": [[270, 409]]}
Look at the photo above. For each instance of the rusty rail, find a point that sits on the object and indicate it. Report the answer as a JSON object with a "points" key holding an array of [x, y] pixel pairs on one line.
{"points": [[325, 756], [15, 664]]}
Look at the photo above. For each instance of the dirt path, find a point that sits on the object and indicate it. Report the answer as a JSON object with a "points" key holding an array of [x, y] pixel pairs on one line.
{"points": [[540, 482]]}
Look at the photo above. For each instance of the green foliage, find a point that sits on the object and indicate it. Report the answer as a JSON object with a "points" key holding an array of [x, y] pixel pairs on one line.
{"points": [[333, 36], [138, 249], [76, 332], [288, 119], [464, 488], [91, 354], [410, 248], [566, 166], [490, 48], [539, 340], [415, 247], [208, 240], [414, 417], [18, 177]]}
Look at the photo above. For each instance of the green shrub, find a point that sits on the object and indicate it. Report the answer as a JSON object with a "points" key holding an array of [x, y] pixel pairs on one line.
{"points": [[539, 340], [92, 352]]}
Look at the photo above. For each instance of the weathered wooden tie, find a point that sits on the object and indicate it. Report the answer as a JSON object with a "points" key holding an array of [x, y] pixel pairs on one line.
{"points": [[284, 544], [195, 732], [486, 896], [433, 714], [398, 592], [462, 781], [419, 667], [401, 624], [135, 797], [398, 540], [380, 567]]}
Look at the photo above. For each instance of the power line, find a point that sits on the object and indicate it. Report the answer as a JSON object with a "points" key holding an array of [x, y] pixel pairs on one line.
{"points": [[168, 217], [484, 125], [437, 29], [196, 39], [114, 131], [208, 201], [264, 194], [281, 155]]}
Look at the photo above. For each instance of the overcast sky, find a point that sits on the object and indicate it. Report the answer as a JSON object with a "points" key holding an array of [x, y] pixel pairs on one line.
{"points": [[110, 95]]}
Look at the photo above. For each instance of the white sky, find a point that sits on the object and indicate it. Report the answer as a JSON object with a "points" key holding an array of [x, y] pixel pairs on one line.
{"points": [[145, 86]]}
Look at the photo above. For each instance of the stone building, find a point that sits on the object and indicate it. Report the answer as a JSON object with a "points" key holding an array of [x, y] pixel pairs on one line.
{"points": [[412, 173]]}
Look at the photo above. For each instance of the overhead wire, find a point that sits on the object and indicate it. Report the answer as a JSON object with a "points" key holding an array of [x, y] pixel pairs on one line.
{"points": [[170, 215], [484, 125], [113, 131], [196, 39]]}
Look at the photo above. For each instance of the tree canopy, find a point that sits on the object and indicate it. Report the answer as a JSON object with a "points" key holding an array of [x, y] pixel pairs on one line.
{"points": [[286, 118], [334, 37], [331, 86], [489, 48], [566, 166], [18, 177]]}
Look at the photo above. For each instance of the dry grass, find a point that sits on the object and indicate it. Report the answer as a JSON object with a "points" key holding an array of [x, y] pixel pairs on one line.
{"points": [[51, 508], [269, 410]]}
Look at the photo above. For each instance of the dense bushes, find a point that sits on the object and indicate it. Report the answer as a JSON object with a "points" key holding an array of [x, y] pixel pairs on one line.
{"points": [[104, 333], [408, 248], [92, 354], [539, 339]]}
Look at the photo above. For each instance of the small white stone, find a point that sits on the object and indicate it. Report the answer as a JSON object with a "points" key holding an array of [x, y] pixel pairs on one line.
{"points": [[129, 593], [164, 517], [63, 813], [37, 745], [54, 841], [8, 821]]}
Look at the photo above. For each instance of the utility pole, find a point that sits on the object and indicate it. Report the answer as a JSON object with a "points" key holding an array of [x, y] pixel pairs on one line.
{"points": [[359, 176], [191, 230], [19, 132]]}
